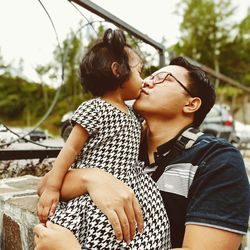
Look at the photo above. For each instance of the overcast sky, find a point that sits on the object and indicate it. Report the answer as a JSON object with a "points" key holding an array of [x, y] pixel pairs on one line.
{"points": [[27, 33]]}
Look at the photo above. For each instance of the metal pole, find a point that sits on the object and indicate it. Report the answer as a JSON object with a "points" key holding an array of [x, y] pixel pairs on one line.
{"points": [[225, 78], [121, 24], [220, 76], [14, 154]]}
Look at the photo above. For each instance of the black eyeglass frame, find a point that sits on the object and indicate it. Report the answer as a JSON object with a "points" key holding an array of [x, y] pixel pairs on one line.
{"points": [[170, 74]]}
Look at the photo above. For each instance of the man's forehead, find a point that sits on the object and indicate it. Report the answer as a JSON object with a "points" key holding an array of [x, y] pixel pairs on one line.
{"points": [[175, 70]]}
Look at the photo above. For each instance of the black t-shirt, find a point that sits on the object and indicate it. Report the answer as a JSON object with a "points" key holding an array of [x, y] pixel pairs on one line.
{"points": [[205, 185]]}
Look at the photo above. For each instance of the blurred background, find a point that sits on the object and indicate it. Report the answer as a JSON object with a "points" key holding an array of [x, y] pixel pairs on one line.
{"points": [[214, 33], [41, 45]]}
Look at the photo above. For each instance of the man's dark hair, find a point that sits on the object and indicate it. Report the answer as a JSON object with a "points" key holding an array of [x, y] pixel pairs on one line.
{"points": [[95, 69], [200, 86]]}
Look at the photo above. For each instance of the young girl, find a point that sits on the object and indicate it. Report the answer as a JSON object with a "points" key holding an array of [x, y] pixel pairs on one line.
{"points": [[106, 134]]}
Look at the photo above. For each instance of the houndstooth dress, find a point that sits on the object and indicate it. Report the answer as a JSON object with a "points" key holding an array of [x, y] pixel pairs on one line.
{"points": [[113, 146]]}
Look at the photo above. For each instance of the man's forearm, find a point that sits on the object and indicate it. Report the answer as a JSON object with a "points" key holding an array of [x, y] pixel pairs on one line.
{"points": [[74, 184], [109, 194]]}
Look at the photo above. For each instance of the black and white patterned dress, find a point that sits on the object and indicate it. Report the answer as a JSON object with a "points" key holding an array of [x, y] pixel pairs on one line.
{"points": [[113, 146]]}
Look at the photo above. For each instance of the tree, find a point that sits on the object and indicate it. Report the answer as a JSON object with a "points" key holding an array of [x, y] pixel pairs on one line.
{"points": [[209, 36], [23, 102], [5, 69], [244, 37], [234, 55], [41, 71], [205, 29]]}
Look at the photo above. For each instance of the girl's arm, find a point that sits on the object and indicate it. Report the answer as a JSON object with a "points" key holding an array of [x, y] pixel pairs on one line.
{"points": [[67, 156], [50, 195], [113, 197]]}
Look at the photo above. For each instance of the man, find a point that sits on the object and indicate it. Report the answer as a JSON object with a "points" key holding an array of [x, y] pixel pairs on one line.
{"points": [[204, 186]]}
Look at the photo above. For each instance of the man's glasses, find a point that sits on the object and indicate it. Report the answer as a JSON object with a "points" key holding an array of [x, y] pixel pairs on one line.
{"points": [[162, 76]]}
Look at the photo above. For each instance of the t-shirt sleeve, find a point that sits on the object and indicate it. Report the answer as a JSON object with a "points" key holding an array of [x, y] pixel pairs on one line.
{"points": [[220, 194], [87, 116]]}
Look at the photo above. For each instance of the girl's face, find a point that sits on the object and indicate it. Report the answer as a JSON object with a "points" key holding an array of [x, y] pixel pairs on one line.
{"points": [[132, 87]]}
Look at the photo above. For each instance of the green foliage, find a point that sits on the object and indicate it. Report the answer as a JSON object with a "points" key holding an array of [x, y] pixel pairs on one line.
{"points": [[228, 91], [205, 29], [20, 98], [149, 70], [235, 55], [209, 36], [24, 103]]}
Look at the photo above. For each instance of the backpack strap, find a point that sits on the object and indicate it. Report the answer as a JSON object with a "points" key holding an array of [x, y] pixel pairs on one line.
{"points": [[186, 140]]}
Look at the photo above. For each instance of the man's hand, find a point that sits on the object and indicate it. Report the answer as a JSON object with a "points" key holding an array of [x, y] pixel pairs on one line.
{"points": [[47, 203], [54, 237], [117, 201], [114, 198]]}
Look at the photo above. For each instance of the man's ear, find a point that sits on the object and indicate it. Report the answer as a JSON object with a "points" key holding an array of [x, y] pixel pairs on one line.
{"points": [[192, 105], [115, 69]]}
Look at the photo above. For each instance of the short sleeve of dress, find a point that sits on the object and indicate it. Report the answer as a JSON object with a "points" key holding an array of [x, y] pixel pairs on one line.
{"points": [[87, 116], [220, 194]]}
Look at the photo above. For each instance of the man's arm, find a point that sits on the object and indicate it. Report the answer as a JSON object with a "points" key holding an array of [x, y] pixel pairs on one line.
{"points": [[219, 199], [73, 186], [54, 237], [114, 198], [208, 238]]}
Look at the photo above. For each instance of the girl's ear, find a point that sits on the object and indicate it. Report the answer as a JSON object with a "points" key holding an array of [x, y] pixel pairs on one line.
{"points": [[115, 69], [192, 105]]}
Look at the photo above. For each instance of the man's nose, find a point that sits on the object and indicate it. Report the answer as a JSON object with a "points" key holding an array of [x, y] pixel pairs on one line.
{"points": [[147, 82]]}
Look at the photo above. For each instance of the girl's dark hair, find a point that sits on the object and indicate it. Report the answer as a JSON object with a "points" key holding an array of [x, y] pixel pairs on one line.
{"points": [[200, 86], [95, 69]]}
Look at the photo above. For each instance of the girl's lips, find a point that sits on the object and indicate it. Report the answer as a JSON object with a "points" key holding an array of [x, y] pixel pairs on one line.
{"points": [[144, 91]]}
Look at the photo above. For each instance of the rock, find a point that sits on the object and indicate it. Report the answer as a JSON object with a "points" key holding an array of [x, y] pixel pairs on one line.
{"points": [[16, 168]]}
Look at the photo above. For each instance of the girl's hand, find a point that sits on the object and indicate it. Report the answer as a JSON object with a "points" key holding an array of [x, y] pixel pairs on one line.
{"points": [[47, 203], [42, 184]]}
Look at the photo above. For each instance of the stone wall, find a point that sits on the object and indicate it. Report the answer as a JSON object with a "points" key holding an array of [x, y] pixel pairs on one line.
{"points": [[17, 212], [14, 168]]}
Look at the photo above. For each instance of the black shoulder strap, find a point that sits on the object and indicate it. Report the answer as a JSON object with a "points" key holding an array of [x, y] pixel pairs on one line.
{"points": [[184, 141]]}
